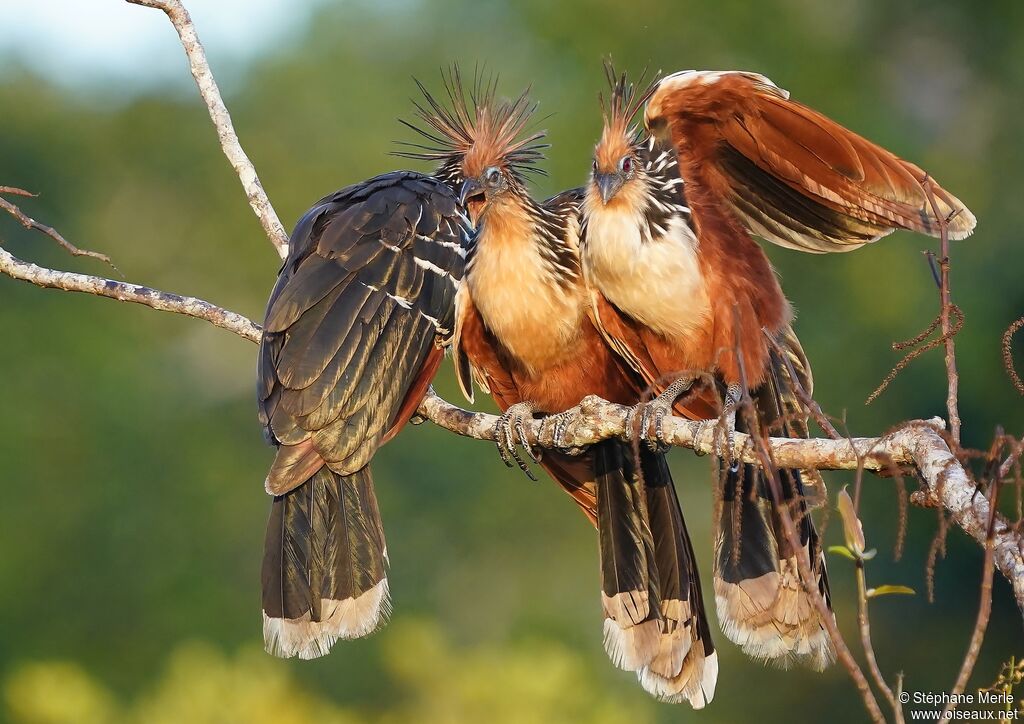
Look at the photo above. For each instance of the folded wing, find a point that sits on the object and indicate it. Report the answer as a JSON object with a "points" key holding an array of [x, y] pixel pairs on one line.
{"points": [[352, 323]]}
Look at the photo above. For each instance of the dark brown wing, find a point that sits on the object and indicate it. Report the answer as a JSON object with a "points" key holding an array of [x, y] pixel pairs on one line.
{"points": [[354, 322], [794, 176]]}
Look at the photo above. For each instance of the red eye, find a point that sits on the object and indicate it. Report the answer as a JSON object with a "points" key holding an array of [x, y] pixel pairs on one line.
{"points": [[626, 164]]}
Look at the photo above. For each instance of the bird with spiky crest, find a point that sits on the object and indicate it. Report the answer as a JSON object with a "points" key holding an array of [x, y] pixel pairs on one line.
{"points": [[660, 315], [523, 333], [355, 330], [467, 135], [733, 157]]}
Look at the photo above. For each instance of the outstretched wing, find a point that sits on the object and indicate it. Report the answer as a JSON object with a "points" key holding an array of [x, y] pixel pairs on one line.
{"points": [[355, 325], [793, 176]]}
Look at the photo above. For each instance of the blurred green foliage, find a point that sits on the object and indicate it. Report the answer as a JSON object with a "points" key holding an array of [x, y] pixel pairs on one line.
{"points": [[130, 456], [539, 682]]}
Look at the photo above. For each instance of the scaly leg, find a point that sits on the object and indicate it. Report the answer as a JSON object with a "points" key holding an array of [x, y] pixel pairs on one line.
{"points": [[652, 414], [732, 400]]}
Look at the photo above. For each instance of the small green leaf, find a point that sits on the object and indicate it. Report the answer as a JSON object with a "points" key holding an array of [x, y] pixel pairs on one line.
{"points": [[868, 555], [889, 589], [842, 551]]}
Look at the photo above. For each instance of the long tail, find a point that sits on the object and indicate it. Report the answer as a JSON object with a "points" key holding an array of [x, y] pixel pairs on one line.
{"points": [[629, 574], [761, 603], [324, 565], [686, 665]]}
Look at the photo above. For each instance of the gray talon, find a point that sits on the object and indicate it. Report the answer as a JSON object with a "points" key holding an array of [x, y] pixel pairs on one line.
{"points": [[659, 425], [511, 423], [653, 413], [561, 426], [630, 426], [521, 431]]}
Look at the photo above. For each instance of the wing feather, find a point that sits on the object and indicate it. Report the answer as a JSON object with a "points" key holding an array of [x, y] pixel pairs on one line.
{"points": [[356, 315], [791, 174]]}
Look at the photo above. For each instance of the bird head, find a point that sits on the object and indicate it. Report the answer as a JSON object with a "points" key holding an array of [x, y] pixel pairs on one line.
{"points": [[618, 167], [481, 143], [479, 190], [616, 164]]}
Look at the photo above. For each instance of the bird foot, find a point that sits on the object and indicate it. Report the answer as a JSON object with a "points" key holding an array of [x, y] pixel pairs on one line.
{"points": [[651, 426], [555, 428], [727, 420], [510, 433]]}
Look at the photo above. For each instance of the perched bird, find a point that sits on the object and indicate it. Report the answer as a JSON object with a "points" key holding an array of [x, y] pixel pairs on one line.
{"points": [[523, 333], [681, 287], [355, 330]]}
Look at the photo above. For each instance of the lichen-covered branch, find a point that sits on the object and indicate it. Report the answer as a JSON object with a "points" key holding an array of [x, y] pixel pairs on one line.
{"points": [[200, 68], [918, 443]]}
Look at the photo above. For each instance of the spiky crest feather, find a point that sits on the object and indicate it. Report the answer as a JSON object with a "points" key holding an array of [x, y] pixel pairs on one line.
{"points": [[474, 131], [620, 108]]}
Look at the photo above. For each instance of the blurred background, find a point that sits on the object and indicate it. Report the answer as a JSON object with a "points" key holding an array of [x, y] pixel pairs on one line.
{"points": [[132, 517]]}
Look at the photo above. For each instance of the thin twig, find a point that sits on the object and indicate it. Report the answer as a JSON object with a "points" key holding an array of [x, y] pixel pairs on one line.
{"points": [[1008, 354], [917, 352], [952, 378], [15, 191], [984, 607], [1017, 447], [802, 394], [32, 225], [869, 649], [200, 68]]}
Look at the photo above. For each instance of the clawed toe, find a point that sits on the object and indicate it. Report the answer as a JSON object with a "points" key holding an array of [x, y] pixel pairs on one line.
{"points": [[651, 427], [510, 434], [727, 422], [555, 430]]}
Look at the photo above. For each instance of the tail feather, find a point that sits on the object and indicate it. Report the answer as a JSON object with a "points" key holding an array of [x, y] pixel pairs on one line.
{"points": [[685, 666], [324, 565], [761, 603], [629, 590]]}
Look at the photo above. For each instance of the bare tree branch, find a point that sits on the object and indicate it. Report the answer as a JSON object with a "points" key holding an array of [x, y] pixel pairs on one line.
{"points": [[916, 443], [127, 292], [200, 68], [29, 223]]}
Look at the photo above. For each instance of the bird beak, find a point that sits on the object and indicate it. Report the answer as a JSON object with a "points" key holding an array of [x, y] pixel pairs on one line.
{"points": [[472, 199], [608, 184], [470, 188]]}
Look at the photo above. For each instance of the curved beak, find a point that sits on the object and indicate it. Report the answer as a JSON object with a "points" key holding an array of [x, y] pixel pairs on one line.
{"points": [[608, 184], [470, 188]]}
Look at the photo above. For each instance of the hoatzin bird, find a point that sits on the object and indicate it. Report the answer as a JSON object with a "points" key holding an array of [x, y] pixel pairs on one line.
{"points": [[680, 286], [354, 332], [523, 333]]}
